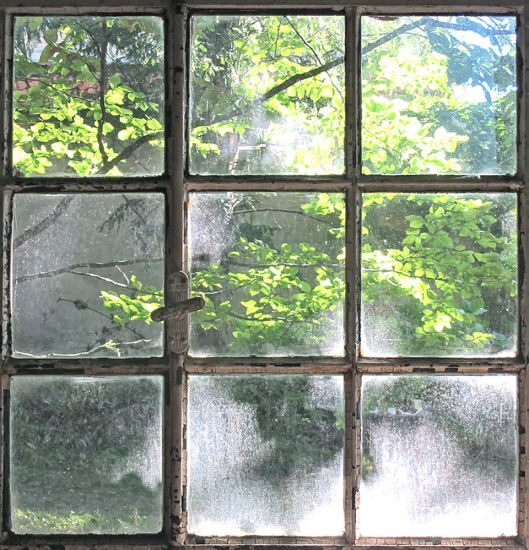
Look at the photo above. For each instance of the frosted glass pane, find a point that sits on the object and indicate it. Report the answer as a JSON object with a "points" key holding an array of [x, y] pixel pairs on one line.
{"points": [[270, 267], [439, 95], [439, 456], [439, 274], [89, 96], [86, 454], [266, 455], [267, 94], [87, 271]]}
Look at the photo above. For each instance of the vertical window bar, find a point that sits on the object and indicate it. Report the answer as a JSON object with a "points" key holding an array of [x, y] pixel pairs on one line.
{"points": [[351, 114], [351, 240], [522, 458], [5, 39], [176, 75], [523, 155], [5, 234]]}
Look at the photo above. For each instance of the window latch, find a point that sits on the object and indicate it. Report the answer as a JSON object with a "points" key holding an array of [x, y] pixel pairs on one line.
{"points": [[178, 310], [180, 305]]}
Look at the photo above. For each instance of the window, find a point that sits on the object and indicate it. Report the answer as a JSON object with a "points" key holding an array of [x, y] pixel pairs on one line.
{"points": [[342, 191]]}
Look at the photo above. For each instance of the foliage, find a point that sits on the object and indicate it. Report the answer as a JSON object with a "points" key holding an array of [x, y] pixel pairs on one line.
{"points": [[133, 307], [234, 127], [447, 270], [438, 97], [88, 89], [265, 295]]}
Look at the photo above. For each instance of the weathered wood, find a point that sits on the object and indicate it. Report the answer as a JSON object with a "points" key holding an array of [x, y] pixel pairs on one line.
{"points": [[228, 368], [523, 254]]}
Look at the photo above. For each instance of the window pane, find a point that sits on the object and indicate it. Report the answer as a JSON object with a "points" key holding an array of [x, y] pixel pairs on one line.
{"points": [[439, 274], [86, 454], [89, 96], [87, 272], [267, 95], [439, 456], [271, 269], [266, 455], [439, 95]]}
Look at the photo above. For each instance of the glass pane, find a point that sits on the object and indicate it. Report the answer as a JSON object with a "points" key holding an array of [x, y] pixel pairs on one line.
{"points": [[86, 454], [87, 271], [439, 95], [439, 274], [271, 270], [89, 96], [267, 95], [439, 456], [266, 455]]}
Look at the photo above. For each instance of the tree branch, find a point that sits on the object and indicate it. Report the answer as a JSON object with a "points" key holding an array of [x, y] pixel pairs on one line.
{"points": [[49, 220], [423, 21], [90, 265], [128, 151], [285, 210]]}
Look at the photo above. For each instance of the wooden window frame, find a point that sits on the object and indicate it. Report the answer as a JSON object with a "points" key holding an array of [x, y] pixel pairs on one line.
{"points": [[176, 184]]}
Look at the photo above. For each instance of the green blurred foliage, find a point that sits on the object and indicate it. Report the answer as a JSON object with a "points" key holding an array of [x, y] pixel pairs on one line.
{"points": [[71, 446]]}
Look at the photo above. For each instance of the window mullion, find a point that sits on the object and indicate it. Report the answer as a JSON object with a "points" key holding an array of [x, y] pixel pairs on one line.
{"points": [[174, 454], [523, 151]]}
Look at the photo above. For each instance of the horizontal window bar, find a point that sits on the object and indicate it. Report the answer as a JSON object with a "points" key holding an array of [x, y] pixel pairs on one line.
{"points": [[84, 184], [158, 365], [477, 366], [230, 368], [82, 6]]}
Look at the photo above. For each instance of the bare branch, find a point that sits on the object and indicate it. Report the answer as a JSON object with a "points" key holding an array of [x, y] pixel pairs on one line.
{"points": [[49, 220], [106, 346], [285, 210], [89, 265]]}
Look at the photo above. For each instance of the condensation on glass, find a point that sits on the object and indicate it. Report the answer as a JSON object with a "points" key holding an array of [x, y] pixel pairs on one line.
{"points": [[267, 94], [265, 455], [439, 456], [270, 267], [439, 274], [438, 94], [88, 96], [86, 454], [87, 270]]}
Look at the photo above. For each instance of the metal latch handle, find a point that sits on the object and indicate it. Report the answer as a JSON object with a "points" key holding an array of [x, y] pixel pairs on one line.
{"points": [[178, 310]]}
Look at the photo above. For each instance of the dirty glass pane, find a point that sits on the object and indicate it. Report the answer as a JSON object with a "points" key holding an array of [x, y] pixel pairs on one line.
{"points": [[89, 96], [267, 95], [439, 456], [270, 267], [438, 95], [86, 454], [439, 274], [266, 455], [87, 271]]}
